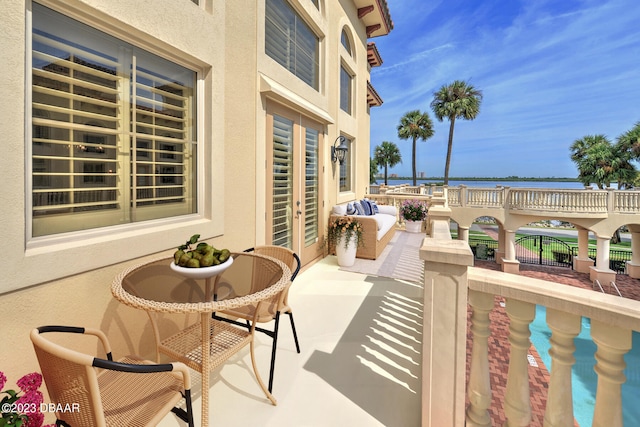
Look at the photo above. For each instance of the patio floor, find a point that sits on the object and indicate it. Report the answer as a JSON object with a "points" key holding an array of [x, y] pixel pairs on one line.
{"points": [[345, 375]]}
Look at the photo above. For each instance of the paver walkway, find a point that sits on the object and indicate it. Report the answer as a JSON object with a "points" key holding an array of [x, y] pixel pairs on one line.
{"points": [[499, 344]]}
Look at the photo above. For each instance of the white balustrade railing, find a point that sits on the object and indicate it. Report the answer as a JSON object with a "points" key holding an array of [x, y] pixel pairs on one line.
{"points": [[585, 201], [626, 201], [578, 201], [451, 283], [612, 321], [574, 202]]}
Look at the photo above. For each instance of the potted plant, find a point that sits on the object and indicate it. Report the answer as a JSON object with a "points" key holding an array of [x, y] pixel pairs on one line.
{"points": [[414, 212], [345, 234]]}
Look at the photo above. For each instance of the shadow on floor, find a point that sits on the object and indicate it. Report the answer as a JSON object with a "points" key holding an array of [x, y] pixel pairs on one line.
{"points": [[377, 362]]}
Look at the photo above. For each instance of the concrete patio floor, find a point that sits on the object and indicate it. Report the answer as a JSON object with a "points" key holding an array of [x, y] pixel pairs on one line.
{"points": [[341, 377]]}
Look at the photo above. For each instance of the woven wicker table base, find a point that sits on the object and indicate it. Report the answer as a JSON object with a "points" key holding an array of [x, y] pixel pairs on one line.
{"points": [[186, 346]]}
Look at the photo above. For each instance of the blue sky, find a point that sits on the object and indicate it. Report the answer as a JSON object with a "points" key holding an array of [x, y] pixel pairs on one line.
{"points": [[550, 72]]}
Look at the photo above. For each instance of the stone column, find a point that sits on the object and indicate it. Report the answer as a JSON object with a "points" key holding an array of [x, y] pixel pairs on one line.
{"points": [[633, 266], [445, 331], [463, 233], [500, 253], [582, 262], [601, 271], [509, 263]]}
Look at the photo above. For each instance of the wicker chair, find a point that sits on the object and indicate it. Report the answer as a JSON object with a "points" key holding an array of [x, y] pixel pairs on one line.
{"points": [[269, 312], [101, 392]]}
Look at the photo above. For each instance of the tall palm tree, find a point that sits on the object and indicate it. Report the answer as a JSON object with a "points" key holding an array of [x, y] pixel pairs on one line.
{"points": [[415, 125], [387, 155], [458, 100]]}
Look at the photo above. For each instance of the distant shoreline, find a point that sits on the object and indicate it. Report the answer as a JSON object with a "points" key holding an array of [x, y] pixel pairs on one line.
{"points": [[507, 178]]}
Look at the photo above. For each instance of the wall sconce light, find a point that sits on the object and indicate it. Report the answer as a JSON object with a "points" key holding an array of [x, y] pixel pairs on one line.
{"points": [[338, 152]]}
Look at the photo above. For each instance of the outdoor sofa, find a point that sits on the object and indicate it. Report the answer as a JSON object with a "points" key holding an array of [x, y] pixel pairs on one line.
{"points": [[378, 225]]}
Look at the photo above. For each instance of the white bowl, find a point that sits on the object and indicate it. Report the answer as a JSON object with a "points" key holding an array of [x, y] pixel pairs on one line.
{"points": [[202, 272]]}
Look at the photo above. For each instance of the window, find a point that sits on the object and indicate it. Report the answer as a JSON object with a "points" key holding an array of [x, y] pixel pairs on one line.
{"points": [[345, 90], [114, 132], [346, 168], [344, 39], [290, 41]]}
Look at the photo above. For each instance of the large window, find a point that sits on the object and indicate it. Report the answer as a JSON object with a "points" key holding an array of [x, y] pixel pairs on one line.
{"points": [[114, 132], [290, 41]]}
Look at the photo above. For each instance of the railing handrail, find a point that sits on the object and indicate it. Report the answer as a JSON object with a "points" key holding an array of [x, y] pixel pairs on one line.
{"points": [[621, 312], [573, 200], [614, 287], [597, 282]]}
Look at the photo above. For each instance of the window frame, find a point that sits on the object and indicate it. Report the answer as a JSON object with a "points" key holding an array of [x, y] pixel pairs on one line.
{"points": [[346, 99], [125, 152], [38, 260], [347, 168]]}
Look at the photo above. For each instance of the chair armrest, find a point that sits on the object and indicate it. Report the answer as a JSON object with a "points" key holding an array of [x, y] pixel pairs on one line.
{"points": [[145, 368], [79, 330]]}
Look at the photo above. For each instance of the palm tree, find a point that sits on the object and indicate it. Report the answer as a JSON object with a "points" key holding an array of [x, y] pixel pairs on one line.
{"points": [[387, 155], [630, 141], [595, 158], [373, 170], [415, 125], [459, 100]]}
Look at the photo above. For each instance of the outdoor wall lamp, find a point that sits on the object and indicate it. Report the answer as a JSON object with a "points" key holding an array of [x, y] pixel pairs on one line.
{"points": [[338, 152]]}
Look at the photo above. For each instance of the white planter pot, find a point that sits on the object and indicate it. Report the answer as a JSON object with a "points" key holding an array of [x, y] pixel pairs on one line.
{"points": [[346, 256], [413, 226]]}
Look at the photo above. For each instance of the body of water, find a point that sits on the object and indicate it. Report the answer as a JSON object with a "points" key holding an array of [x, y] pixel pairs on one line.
{"points": [[493, 184]]}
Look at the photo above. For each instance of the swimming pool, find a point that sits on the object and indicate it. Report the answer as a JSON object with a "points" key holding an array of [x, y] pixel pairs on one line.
{"points": [[584, 378]]}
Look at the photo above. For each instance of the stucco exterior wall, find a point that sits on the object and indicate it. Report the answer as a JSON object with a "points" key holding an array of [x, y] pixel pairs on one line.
{"points": [[66, 280]]}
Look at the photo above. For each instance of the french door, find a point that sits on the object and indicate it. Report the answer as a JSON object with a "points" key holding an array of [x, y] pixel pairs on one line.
{"points": [[294, 184]]}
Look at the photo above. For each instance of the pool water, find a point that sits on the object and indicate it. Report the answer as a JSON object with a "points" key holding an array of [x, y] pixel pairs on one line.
{"points": [[584, 378]]}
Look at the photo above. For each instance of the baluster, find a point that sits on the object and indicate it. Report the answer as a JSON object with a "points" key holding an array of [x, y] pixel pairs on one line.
{"points": [[517, 403], [479, 388], [564, 328], [613, 343]]}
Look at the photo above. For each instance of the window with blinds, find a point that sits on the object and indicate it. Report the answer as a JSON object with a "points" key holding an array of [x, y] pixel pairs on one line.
{"points": [[290, 41], [113, 135], [282, 182], [311, 189]]}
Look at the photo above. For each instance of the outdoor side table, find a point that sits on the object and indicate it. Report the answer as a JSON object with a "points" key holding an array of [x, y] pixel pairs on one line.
{"points": [[155, 287]]}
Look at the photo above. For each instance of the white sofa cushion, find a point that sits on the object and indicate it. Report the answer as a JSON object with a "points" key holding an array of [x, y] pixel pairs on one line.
{"points": [[385, 222], [340, 210], [388, 210]]}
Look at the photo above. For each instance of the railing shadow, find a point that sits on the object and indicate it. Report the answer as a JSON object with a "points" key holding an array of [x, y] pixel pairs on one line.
{"points": [[377, 361]]}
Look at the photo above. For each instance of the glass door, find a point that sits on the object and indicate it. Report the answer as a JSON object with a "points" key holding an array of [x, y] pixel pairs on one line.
{"points": [[294, 190]]}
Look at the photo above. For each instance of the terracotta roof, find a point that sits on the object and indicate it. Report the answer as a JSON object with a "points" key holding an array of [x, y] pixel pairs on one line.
{"points": [[373, 99], [375, 16], [373, 56]]}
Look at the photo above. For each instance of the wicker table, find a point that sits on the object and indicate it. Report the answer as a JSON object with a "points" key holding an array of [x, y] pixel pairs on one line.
{"points": [[156, 288]]}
